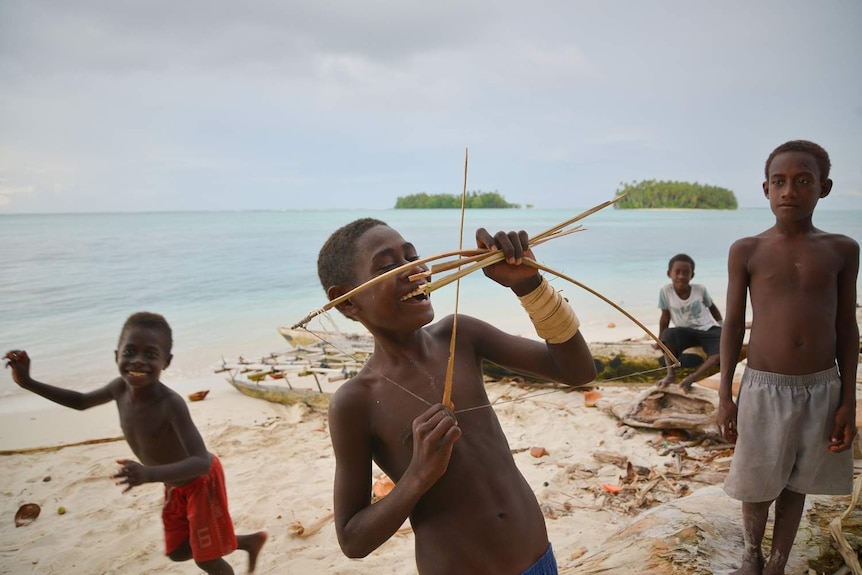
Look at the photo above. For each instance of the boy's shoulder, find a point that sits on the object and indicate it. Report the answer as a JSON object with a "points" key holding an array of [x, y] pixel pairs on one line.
{"points": [[841, 239], [353, 393]]}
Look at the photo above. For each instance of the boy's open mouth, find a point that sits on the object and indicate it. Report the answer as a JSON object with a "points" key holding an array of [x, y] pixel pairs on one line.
{"points": [[418, 294]]}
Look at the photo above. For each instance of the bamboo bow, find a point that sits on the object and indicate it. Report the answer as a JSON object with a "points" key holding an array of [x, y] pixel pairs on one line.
{"points": [[468, 261]]}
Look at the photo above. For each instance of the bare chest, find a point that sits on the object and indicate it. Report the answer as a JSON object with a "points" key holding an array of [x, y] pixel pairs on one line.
{"points": [[804, 269]]}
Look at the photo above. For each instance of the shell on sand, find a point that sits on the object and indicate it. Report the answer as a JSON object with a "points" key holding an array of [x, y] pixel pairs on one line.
{"points": [[668, 408], [27, 514]]}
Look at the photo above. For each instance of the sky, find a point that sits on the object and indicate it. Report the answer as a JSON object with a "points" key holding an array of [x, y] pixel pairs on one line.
{"points": [[161, 105]]}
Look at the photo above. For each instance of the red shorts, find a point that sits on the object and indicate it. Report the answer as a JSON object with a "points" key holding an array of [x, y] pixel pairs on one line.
{"points": [[197, 512]]}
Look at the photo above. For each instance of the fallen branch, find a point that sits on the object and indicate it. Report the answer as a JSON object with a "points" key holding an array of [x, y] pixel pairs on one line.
{"points": [[50, 448], [297, 529]]}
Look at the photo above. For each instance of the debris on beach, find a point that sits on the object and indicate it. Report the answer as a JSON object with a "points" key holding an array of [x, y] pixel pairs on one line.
{"points": [[297, 529], [700, 535], [668, 408], [381, 488], [27, 514], [198, 395], [538, 452], [591, 397], [614, 482]]}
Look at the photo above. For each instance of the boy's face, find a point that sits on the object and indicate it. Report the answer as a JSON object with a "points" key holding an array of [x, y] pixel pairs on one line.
{"points": [[396, 303], [142, 355], [680, 274], [794, 185]]}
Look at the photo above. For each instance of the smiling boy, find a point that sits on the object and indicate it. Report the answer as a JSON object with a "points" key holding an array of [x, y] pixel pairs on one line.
{"points": [[158, 428], [471, 510], [696, 319]]}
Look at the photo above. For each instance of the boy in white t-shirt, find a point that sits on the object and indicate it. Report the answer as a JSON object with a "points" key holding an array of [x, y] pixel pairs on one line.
{"points": [[696, 319]]}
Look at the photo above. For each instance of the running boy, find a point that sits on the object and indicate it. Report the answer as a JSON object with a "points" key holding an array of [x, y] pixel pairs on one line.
{"points": [[471, 510], [159, 429], [695, 317], [794, 420]]}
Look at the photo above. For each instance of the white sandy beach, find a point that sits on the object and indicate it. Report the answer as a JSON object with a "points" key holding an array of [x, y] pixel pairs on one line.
{"points": [[279, 467]]}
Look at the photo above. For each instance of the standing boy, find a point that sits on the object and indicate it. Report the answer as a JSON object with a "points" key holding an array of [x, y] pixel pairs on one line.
{"points": [[159, 429], [695, 317], [471, 510], [795, 420]]}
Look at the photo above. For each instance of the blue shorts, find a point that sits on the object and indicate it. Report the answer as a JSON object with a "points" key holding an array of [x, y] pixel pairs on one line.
{"points": [[546, 565]]}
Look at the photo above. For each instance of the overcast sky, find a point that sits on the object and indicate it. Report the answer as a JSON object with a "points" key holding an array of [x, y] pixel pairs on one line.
{"points": [[208, 104]]}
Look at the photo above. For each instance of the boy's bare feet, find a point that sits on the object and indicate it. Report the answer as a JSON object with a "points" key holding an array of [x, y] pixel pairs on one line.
{"points": [[751, 565], [253, 544]]}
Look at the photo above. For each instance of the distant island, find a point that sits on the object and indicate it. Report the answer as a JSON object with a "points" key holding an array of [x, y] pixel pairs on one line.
{"points": [[475, 199], [652, 194]]}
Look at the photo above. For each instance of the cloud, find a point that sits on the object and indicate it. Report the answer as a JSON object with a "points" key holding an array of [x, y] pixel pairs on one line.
{"points": [[170, 105]]}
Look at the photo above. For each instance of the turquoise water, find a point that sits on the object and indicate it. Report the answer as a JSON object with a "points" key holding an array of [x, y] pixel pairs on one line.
{"points": [[225, 281]]}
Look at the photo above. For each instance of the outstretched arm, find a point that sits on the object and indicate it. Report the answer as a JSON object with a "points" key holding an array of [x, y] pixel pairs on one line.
{"points": [[19, 362]]}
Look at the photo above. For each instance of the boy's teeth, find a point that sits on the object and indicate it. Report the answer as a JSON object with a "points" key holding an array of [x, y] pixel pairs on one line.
{"points": [[414, 293]]}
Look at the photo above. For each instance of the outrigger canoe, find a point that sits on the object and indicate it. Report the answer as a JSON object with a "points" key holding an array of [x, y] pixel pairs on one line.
{"points": [[318, 362], [309, 372]]}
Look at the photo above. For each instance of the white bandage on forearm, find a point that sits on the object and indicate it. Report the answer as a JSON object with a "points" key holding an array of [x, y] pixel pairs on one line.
{"points": [[551, 314]]}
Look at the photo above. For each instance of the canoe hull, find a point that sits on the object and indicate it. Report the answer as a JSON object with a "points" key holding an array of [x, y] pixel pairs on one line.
{"points": [[282, 394]]}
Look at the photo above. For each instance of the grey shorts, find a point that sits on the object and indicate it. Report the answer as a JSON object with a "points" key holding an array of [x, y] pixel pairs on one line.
{"points": [[784, 424]]}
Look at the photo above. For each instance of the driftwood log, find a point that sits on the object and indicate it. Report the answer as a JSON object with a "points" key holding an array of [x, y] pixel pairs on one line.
{"points": [[702, 535]]}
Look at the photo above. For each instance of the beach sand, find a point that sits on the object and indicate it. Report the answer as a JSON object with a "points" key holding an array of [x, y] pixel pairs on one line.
{"points": [[279, 468]]}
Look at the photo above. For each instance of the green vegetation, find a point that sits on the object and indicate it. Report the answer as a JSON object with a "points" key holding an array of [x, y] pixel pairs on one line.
{"points": [[679, 195], [474, 199]]}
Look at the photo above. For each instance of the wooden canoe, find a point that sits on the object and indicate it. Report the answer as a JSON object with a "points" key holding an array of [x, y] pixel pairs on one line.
{"points": [[282, 394]]}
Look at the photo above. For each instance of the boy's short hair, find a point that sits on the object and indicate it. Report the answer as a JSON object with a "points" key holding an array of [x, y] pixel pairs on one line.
{"points": [[152, 321], [337, 256], [680, 258], [820, 155]]}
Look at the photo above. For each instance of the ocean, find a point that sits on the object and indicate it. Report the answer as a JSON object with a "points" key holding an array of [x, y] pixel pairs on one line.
{"points": [[227, 280]]}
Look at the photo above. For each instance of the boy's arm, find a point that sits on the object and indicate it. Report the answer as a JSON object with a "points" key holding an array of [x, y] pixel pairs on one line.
{"points": [[19, 362], [360, 526], [174, 412], [663, 324], [732, 334], [716, 313], [847, 347], [663, 321], [570, 361]]}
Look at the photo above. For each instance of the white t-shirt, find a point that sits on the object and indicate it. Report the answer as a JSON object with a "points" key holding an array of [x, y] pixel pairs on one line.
{"points": [[692, 312]]}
